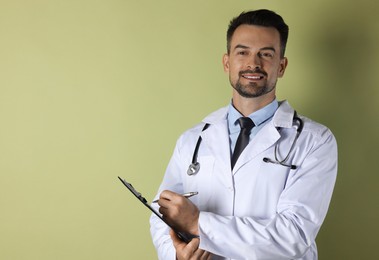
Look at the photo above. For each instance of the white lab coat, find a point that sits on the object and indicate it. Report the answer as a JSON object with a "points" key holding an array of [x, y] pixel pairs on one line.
{"points": [[259, 210]]}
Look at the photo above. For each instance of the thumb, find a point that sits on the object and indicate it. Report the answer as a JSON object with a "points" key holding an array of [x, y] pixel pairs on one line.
{"points": [[194, 243]]}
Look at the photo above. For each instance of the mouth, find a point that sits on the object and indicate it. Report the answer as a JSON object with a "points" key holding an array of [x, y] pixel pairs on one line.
{"points": [[253, 76]]}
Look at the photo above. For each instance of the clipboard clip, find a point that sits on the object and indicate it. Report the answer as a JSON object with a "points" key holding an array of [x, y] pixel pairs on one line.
{"points": [[133, 190], [186, 237]]}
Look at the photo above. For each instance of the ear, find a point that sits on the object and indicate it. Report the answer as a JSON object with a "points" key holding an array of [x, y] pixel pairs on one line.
{"points": [[225, 62], [283, 66]]}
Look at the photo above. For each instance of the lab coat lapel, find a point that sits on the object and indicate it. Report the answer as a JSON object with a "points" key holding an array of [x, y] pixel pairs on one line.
{"points": [[264, 139]]}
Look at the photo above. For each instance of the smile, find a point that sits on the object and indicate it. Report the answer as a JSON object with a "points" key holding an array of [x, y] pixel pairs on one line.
{"points": [[253, 77]]}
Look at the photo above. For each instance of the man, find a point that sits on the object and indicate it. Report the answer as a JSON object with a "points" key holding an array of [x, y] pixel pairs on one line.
{"points": [[269, 201]]}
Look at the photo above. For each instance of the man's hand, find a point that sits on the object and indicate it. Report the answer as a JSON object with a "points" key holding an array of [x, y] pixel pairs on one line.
{"points": [[179, 212], [190, 251]]}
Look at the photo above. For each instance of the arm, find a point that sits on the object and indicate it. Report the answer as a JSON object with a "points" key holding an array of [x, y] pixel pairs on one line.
{"points": [[159, 230], [167, 247], [182, 215]]}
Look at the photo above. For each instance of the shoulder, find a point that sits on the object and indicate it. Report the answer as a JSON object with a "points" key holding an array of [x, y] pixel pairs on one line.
{"points": [[216, 117], [213, 118], [317, 137], [285, 115], [313, 133], [315, 128]]}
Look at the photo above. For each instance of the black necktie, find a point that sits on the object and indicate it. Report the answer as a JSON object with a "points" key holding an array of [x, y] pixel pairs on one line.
{"points": [[243, 139]]}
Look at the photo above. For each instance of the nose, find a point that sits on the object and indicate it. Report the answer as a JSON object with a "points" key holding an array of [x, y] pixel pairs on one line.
{"points": [[254, 62]]}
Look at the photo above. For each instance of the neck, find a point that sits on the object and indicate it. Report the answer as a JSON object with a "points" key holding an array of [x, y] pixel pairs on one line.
{"points": [[246, 106]]}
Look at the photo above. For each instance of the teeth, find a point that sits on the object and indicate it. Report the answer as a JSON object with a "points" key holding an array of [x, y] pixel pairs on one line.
{"points": [[253, 77]]}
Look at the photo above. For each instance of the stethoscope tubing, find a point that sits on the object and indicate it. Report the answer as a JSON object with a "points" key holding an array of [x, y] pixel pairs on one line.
{"points": [[194, 167]]}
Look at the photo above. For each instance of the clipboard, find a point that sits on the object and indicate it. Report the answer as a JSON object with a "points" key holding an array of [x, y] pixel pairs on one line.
{"points": [[186, 237]]}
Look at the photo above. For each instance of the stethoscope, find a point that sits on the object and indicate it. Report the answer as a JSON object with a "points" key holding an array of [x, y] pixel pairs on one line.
{"points": [[194, 167]]}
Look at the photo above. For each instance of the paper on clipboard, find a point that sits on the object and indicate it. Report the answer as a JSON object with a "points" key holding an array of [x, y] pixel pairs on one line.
{"points": [[182, 235]]}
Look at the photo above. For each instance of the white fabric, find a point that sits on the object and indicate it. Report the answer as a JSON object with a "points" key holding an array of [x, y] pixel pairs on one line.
{"points": [[259, 210]]}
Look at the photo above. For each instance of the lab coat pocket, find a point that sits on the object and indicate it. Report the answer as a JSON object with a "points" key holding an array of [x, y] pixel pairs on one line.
{"points": [[201, 182], [271, 180]]}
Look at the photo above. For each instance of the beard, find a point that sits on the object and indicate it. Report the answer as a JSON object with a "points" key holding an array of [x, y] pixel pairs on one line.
{"points": [[252, 89]]}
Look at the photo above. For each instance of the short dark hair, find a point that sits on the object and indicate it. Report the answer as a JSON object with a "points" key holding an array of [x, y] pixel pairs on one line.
{"points": [[261, 17]]}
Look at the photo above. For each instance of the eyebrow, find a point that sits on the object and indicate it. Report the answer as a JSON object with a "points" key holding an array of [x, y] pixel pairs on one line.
{"points": [[240, 46], [268, 49]]}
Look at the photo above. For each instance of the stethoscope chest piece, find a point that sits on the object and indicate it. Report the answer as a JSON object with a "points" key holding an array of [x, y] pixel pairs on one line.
{"points": [[193, 168]]}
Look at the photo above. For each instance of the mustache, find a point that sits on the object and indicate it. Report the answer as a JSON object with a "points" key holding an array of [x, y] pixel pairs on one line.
{"points": [[256, 70]]}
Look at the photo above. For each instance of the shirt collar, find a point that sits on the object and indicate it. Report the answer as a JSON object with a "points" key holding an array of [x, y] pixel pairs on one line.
{"points": [[259, 117]]}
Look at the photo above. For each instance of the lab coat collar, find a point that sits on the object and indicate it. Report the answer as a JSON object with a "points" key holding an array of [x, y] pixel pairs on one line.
{"points": [[217, 116], [283, 117]]}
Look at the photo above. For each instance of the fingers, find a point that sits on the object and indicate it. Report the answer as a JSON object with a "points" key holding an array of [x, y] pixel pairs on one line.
{"points": [[184, 251], [207, 256], [189, 251], [168, 195], [179, 212], [171, 204], [167, 199], [200, 254]]}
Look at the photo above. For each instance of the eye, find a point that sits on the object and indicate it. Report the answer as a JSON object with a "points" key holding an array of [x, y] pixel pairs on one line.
{"points": [[266, 54], [242, 53]]}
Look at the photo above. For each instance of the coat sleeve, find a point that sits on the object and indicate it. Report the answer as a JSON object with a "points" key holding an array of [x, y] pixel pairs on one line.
{"points": [[301, 209], [159, 230]]}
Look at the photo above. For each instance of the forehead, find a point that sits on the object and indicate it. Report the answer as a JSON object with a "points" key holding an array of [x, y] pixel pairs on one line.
{"points": [[255, 36]]}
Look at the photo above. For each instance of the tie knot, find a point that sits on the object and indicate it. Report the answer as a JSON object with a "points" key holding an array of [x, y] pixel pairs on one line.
{"points": [[246, 123]]}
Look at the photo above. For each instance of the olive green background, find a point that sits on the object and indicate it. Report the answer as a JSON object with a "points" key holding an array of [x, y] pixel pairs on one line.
{"points": [[92, 90]]}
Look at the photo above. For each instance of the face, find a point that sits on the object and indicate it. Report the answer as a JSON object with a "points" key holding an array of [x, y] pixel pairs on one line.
{"points": [[254, 63]]}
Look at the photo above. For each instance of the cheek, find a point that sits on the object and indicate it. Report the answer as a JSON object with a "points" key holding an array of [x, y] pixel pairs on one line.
{"points": [[229, 69], [275, 70], [235, 68], [234, 74]]}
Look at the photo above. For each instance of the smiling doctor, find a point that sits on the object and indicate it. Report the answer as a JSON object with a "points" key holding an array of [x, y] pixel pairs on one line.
{"points": [[264, 175]]}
